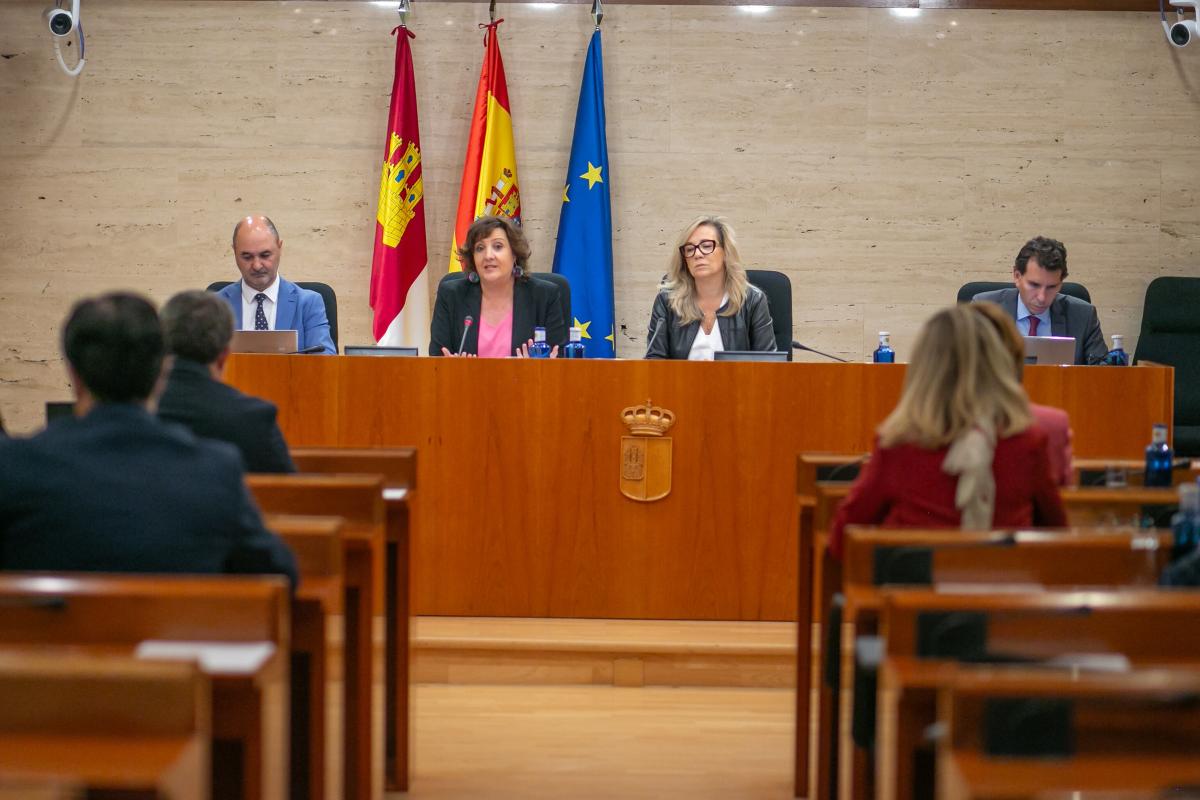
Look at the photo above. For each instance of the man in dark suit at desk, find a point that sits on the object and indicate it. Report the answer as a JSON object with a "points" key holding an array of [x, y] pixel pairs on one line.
{"points": [[1038, 307], [117, 490], [197, 327]]}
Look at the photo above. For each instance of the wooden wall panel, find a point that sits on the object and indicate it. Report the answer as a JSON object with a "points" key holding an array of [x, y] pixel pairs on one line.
{"points": [[518, 462]]}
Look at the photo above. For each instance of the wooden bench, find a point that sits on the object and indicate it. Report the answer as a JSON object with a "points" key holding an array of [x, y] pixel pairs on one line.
{"points": [[121, 614], [1136, 732], [104, 724], [924, 649], [398, 466], [358, 500], [318, 606], [818, 501], [880, 561]]}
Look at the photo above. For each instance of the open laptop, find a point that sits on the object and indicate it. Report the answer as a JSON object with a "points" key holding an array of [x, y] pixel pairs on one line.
{"points": [[1050, 350], [750, 355], [264, 342], [378, 350]]}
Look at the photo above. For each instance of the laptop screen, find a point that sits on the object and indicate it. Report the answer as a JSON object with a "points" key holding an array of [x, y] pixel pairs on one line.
{"points": [[264, 342]]}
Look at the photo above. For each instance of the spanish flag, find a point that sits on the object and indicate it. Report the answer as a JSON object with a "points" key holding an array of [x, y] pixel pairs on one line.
{"points": [[489, 181], [399, 286]]}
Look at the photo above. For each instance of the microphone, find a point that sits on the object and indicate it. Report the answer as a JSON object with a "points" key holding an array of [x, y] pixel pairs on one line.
{"points": [[468, 321], [316, 348], [654, 334], [796, 345]]}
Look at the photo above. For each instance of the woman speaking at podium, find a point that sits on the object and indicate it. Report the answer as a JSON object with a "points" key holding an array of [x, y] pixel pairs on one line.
{"points": [[705, 303], [960, 450], [492, 309]]}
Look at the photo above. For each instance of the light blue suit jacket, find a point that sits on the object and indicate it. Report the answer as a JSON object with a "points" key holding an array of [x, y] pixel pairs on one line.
{"points": [[300, 310]]}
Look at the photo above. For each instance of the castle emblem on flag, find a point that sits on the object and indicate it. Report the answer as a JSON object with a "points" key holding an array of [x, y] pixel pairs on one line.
{"points": [[399, 190], [505, 199]]}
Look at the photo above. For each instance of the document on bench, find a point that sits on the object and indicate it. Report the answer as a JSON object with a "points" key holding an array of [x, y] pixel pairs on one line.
{"points": [[227, 658]]}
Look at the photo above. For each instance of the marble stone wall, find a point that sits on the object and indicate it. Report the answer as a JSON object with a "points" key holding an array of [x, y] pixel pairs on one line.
{"points": [[880, 160]]}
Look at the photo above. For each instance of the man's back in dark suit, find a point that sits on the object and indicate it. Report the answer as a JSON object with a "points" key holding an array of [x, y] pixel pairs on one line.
{"points": [[214, 410], [121, 491]]}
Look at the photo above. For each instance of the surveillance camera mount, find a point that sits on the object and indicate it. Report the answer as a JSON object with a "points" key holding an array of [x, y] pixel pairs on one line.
{"points": [[1181, 32], [56, 18]]}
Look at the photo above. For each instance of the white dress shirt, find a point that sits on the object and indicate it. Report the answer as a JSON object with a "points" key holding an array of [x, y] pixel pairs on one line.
{"points": [[706, 344], [250, 305]]}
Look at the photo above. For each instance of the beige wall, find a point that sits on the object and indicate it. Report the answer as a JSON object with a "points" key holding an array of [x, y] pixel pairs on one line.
{"points": [[880, 161]]}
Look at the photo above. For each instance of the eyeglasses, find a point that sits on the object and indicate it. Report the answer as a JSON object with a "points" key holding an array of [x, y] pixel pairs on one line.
{"points": [[704, 247]]}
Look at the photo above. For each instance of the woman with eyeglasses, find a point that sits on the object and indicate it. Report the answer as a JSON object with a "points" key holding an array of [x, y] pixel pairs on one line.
{"points": [[705, 303]]}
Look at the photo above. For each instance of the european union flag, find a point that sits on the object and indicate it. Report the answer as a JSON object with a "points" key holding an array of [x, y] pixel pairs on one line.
{"points": [[583, 252]]}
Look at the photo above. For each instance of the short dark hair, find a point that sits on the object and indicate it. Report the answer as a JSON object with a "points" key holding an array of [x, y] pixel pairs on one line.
{"points": [[481, 229], [1051, 255], [115, 344], [197, 326]]}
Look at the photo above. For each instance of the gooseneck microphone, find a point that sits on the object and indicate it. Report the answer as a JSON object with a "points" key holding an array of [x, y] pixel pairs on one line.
{"points": [[468, 321], [797, 346]]}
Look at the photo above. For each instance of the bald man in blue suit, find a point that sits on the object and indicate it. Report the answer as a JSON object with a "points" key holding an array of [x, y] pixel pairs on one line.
{"points": [[262, 300]]}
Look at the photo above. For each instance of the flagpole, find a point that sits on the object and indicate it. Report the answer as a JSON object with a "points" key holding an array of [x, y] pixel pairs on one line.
{"points": [[597, 12], [492, 11], [403, 12]]}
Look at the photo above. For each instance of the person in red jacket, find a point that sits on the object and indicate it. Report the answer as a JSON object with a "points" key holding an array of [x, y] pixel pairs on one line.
{"points": [[960, 450]]}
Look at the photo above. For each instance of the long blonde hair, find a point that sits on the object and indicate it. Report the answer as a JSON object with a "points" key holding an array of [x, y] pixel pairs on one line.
{"points": [[681, 286], [961, 376]]}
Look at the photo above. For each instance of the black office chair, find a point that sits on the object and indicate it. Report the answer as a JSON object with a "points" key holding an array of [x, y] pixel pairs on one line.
{"points": [[1170, 335], [778, 289], [323, 289], [969, 290], [559, 281]]}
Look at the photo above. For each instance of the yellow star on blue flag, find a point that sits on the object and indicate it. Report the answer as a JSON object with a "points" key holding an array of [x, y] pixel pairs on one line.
{"points": [[592, 176]]}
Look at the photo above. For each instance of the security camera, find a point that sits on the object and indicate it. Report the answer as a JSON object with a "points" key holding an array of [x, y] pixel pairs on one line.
{"points": [[61, 21], [1183, 31]]}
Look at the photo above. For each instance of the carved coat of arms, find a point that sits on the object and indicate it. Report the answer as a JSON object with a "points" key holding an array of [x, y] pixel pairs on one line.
{"points": [[646, 455]]}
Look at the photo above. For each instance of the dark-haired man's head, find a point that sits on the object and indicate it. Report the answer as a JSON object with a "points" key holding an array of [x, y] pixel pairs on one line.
{"points": [[114, 349], [1039, 272], [198, 326]]}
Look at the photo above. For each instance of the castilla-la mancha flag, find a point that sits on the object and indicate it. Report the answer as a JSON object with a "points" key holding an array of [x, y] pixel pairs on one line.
{"points": [[489, 181], [399, 284]]}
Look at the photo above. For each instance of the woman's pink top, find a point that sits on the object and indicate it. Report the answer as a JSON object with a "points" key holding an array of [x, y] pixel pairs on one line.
{"points": [[495, 341]]}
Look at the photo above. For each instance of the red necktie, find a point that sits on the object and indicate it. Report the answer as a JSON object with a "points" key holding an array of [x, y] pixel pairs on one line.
{"points": [[1033, 325]]}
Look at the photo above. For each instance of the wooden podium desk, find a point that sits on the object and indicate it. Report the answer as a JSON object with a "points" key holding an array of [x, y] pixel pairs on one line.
{"points": [[520, 504]]}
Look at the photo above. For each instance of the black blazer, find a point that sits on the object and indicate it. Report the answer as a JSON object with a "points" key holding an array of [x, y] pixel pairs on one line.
{"points": [[215, 410], [535, 304], [750, 328], [122, 491]]}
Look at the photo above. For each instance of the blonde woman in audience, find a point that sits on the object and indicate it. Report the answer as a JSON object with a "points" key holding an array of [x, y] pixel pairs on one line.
{"points": [[705, 303], [960, 450], [1053, 421]]}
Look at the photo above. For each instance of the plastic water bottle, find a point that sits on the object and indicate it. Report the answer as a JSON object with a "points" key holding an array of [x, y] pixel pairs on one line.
{"points": [[884, 354], [539, 348], [1159, 456], [1117, 356], [575, 347], [1185, 525]]}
